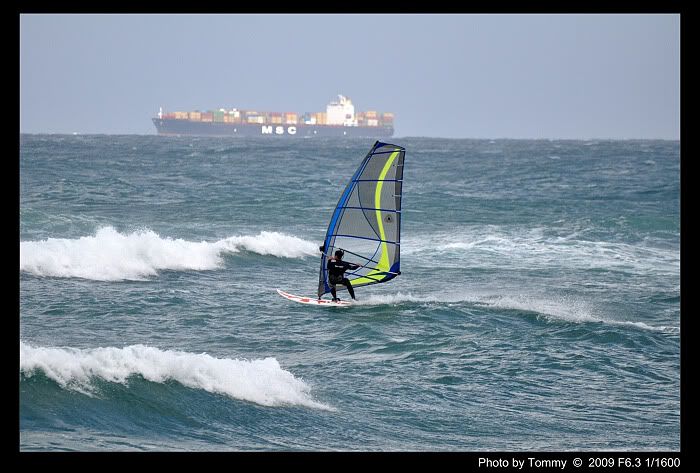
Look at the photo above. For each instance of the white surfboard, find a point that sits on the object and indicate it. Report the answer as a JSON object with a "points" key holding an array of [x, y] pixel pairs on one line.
{"points": [[313, 300]]}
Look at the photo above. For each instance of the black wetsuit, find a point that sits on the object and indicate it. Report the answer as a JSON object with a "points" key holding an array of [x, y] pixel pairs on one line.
{"points": [[336, 270]]}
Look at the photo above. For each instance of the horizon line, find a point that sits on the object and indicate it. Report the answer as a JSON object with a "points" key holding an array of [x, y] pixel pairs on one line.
{"points": [[359, 137]]}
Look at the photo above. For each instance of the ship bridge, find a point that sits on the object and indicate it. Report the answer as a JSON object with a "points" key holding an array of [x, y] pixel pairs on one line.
{"points": [[341, 112]]}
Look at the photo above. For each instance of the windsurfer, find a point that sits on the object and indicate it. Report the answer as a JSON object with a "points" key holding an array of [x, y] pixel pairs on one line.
{"points": [[336, 272]]}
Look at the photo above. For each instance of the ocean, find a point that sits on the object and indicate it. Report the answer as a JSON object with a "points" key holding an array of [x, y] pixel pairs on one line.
{"points": [[538, 307]]}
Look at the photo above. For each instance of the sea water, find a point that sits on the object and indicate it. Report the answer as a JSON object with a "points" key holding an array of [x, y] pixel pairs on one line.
{"points": [[538, 307]]}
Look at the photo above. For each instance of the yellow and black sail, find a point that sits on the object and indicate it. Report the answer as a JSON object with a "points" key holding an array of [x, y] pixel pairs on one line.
{"points": [[366, 223]]}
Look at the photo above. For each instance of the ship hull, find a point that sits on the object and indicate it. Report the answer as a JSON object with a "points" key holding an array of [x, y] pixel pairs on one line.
{"points": [[191, 128]]}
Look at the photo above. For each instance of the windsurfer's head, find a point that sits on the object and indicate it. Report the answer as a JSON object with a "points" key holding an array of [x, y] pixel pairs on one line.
{"points": [[339, 254]]}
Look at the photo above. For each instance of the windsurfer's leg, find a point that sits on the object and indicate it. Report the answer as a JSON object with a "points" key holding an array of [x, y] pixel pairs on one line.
{"points": [[333, 293], [347, 284]]}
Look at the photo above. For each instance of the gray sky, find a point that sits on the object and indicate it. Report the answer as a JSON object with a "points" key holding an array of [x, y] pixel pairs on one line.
{"points": [[456, 76]]}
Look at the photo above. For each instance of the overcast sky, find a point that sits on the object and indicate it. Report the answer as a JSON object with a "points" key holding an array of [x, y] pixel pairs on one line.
{"points": [[455, 76]]}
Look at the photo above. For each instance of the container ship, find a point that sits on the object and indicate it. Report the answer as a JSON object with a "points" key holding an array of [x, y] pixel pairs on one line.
{"points": [[339, 119]]}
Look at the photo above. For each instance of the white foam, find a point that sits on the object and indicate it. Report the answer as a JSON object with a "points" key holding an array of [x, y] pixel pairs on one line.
{"points": [[564, 308], [271, 243], [399, 298], [489, 246], [263, 381], [643, 326], [112, 256]]}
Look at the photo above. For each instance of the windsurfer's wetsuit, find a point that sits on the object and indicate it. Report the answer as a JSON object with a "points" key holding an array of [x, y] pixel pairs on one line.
{"points": [[336, 270]]}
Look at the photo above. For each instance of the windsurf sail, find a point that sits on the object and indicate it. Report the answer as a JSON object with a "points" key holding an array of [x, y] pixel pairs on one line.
{"points": [[366, 223]]}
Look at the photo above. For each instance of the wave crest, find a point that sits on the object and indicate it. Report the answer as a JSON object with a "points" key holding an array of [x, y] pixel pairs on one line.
{"points": [[113, 256], [262, 381]]}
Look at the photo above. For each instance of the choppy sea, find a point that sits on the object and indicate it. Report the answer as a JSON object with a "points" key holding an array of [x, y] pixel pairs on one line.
{"points": [[538, 307]]}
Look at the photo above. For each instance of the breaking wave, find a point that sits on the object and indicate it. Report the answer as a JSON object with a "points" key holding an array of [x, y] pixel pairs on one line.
{"points": [[113, 256], [262, 381]]}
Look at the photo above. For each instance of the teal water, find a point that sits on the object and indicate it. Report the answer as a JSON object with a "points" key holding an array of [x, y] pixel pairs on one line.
{"points": [[538, 307]]}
